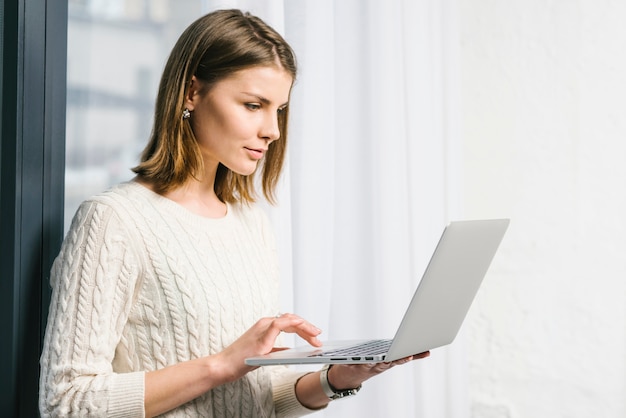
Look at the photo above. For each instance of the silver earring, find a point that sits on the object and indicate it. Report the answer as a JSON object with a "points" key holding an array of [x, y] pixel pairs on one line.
{"points": [[186, 114]]}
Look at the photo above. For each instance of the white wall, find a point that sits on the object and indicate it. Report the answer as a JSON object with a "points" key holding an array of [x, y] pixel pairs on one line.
{"points": [[544, 125]]}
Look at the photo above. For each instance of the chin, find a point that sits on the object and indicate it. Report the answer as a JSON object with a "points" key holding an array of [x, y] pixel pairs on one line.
{"points": [[244, 171]]}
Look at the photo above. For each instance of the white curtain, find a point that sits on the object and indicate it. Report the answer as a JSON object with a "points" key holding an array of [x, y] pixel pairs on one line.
{"points": [[372, 178]]}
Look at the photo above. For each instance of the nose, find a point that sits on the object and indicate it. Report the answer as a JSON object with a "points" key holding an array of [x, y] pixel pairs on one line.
{"points": [[270, 131]]}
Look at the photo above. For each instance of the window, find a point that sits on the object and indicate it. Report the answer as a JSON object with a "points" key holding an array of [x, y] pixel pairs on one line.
{"points": [[116, 53]]}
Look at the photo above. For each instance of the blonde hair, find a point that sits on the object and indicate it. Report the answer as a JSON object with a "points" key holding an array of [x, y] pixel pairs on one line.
{"points": [[211, 49]]}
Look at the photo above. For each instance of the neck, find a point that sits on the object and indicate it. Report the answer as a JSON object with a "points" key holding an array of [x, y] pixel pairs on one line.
{"points": [[198, 197]]}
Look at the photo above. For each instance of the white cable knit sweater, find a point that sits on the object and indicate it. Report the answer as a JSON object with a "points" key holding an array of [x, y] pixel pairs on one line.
{"points": [[142, 283]]}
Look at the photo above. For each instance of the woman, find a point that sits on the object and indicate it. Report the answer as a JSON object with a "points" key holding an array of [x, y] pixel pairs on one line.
{"points": [[166, 283]]}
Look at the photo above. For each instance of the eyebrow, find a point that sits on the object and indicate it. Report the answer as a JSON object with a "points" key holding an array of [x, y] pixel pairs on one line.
{"points": [[263, 99]]}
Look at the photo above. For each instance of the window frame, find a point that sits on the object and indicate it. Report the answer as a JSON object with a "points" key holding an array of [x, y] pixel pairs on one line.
{"points": [[32, 159]]}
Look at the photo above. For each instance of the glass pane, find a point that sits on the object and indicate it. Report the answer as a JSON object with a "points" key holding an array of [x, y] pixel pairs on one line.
{"points": [[116, 52]]}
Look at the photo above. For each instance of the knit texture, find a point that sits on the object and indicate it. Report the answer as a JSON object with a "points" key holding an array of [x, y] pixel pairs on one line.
{"points": [[142, 283]]}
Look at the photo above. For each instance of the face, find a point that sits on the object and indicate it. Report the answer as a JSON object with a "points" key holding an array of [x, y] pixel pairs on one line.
{"points": [[236, 120]]}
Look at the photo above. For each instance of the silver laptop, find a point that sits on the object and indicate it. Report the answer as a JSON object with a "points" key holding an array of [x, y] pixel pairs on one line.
{"points": [[437, 309]]}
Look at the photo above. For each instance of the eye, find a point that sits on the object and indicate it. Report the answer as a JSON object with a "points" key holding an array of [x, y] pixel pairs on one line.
{"points": [[281, 110], [253, 106]]}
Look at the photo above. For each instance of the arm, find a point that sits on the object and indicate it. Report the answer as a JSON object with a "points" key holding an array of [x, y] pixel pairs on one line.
{"points": [[93, 281], [309, 389], [167, 388], [175, 385]]}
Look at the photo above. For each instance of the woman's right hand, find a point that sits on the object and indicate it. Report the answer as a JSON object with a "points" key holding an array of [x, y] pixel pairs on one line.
{"points": [[260, 339], [174, 385]]}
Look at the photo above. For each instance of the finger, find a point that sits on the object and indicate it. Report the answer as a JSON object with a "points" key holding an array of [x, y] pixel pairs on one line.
{"points": [[384, 366], [410, 358], [275, 349], [286, 322], [378, 368], [294, 324], [307, 332], [403, 361]]}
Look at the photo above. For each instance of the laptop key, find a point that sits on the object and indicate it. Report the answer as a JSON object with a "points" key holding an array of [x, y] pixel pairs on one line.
{"points": [[370, 348]]}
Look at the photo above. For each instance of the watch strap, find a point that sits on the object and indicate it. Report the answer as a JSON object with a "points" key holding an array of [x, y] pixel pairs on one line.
{"points": [[330, 391]]}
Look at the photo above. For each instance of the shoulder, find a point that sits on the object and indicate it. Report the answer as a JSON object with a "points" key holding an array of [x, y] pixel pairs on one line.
{"points": [[122, 194], [123, 200], [97, 231], [111, 213]]}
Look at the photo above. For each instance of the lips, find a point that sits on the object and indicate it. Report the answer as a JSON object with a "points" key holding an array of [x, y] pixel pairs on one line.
{"points": [[255, 153]]}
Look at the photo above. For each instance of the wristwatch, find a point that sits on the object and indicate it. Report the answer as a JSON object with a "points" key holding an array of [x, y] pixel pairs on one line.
{"points": [[330, 391]]}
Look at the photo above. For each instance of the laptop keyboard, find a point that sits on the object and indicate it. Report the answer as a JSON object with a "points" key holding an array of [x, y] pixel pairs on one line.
{"points": [[369, 348]]}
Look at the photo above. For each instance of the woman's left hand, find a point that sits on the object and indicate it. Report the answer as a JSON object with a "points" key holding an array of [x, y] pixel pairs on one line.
{"points": [[342, 377], [349, 376]]}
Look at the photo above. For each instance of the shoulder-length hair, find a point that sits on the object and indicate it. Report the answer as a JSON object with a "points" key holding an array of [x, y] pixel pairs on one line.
{"points": [[212, 48]]}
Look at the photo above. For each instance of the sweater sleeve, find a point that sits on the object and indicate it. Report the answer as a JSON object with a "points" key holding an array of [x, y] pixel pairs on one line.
{"points": [[284, 386], [93, 283]]}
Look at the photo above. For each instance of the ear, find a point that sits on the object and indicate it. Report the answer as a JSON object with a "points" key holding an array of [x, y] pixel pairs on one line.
{"points": [[192, 94]]}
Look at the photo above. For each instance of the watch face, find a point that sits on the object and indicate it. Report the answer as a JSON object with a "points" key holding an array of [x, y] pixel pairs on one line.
{"points": [[345, 393]]}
